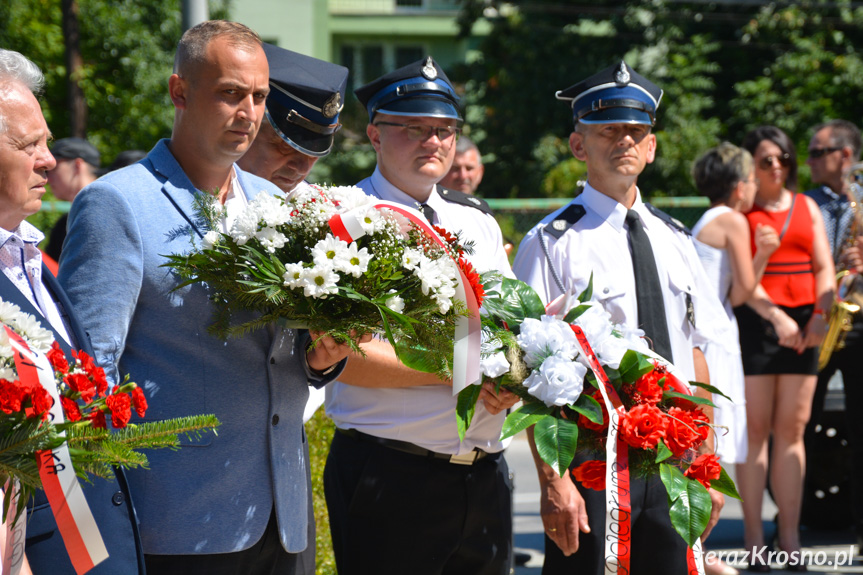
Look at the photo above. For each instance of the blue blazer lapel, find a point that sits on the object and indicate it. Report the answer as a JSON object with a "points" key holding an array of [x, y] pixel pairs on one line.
{"points": [[82, 339], [176, 187]]}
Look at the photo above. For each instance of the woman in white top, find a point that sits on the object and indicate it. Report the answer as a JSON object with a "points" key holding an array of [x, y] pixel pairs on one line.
{"points": [[725, 175]]}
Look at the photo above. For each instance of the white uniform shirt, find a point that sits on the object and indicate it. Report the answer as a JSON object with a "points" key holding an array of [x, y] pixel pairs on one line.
{"points": [[598, 243], [425, 415], [21, 262]]}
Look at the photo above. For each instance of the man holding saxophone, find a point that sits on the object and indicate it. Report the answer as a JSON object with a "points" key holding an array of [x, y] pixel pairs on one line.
{"points": [[833, 151]]}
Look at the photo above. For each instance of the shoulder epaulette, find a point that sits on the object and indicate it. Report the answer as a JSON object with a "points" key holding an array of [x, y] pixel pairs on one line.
{"points": [[457, 197], [672, 222], [565, 220]]}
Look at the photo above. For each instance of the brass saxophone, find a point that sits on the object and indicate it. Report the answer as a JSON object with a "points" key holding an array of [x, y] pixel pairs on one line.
{"points": [[849, 284]]}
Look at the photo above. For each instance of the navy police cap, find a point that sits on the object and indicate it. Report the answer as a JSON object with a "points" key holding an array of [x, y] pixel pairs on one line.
{"points": [[418, 89], [306, 96], [616, 95]]}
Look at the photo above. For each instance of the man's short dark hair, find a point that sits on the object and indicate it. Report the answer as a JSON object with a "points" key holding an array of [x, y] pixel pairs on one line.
{"points": [[843, 133], [192, 48]]}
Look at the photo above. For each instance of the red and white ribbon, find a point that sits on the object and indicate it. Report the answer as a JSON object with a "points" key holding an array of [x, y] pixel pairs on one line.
{"points": [[466, 346], [73, 516], [618, 508]]}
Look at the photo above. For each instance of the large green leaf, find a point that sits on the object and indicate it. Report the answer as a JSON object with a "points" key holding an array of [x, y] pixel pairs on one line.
{"points": [[710, 388], [692, 398], [725, 485], [588, 407], [517, 301], [556, 439], [465, 408], [662, 452], [633, 365], [523, 417], [688, 501], [416, 358], [575, 312]]}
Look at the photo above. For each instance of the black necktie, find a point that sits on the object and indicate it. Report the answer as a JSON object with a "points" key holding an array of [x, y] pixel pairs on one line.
{"points": [[648, 291], [428, 212]]}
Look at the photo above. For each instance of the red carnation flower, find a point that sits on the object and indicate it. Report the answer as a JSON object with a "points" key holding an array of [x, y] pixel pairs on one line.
{"points": [[99, 380], [81, 383], [588, 424], [57, 358], [41, 401], [139, 401], [681, 431], [70, 409], [704, 469], [121, 409], [11, 396], [97, 419], [472, 278], [643, 426], [591, 474], [646, 388]]}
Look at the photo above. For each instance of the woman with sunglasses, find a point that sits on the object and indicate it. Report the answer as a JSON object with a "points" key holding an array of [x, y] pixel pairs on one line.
{"points": [[780, 330]]}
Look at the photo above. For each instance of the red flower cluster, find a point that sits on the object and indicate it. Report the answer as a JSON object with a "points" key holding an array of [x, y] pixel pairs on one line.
{"points": [[591, 474], [86, 381], [33, 399], [704, 469], [646, 389], [473, 278]]}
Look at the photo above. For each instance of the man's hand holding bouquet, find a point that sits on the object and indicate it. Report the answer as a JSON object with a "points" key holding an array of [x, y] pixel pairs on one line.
{"points": [[588, 385]]}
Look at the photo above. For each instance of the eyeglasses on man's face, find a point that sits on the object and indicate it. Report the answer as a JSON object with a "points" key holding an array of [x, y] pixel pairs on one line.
{"points": [[816, 153], [767, 162], [418, 133]]}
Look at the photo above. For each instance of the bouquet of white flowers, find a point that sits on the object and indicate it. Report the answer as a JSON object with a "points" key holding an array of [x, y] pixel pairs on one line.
{"points": [[337, 261]]}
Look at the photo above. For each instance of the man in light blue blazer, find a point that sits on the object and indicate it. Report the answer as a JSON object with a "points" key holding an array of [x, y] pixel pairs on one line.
{"points": [[27, 283], [238, 502]]}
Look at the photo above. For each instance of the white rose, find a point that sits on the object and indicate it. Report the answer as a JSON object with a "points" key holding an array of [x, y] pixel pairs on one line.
{"points": [[545, 337], [494, 365], [558, 381]]}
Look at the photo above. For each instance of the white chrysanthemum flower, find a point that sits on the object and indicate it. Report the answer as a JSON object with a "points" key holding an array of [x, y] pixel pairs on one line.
{"points": [[372, 220], [444, 294], [545, 337], [7, 372], [431, 273], [557, 381], [210, 239], [5, 346], [494, 365], [245, 226], [8, 312], [328, 250], [411, 258], [354, 262], [320, 281], [395, 302], [37, 337], [349, 197], [271, 210], [293, 276], [271, 239]]}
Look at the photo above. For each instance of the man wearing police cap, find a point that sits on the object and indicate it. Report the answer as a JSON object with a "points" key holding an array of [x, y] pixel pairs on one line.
{"points": [[300, 120], [403, 493], [646, 273]]}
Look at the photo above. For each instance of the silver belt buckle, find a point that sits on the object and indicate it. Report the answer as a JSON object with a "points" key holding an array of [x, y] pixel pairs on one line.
{"points": [[464, 459]]}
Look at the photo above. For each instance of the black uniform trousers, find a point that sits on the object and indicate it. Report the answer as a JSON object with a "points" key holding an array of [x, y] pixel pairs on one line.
{"points": [[393, 513], [847, 360], [657, 549]]}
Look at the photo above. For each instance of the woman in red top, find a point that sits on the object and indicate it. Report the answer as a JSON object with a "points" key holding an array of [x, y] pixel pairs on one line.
{"points": [[780, 330]]}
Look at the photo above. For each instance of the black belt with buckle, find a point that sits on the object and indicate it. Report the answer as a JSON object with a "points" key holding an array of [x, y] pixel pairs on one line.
{"points": [[464, 459]]}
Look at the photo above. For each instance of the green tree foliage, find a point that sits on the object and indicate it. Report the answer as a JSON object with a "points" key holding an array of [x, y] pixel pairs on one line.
{"points": [[725, 68]]}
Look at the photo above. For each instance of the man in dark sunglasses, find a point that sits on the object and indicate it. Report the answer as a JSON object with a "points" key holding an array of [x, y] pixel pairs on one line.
{"points": [[834, 148]]}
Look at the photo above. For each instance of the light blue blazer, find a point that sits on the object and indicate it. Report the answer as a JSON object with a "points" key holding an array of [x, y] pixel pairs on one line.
{"points": [[215, 495]]}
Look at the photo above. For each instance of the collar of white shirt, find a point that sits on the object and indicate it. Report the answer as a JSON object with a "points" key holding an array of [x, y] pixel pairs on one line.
{"points": [[387, 191], [610, 210], [26, 232]]}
